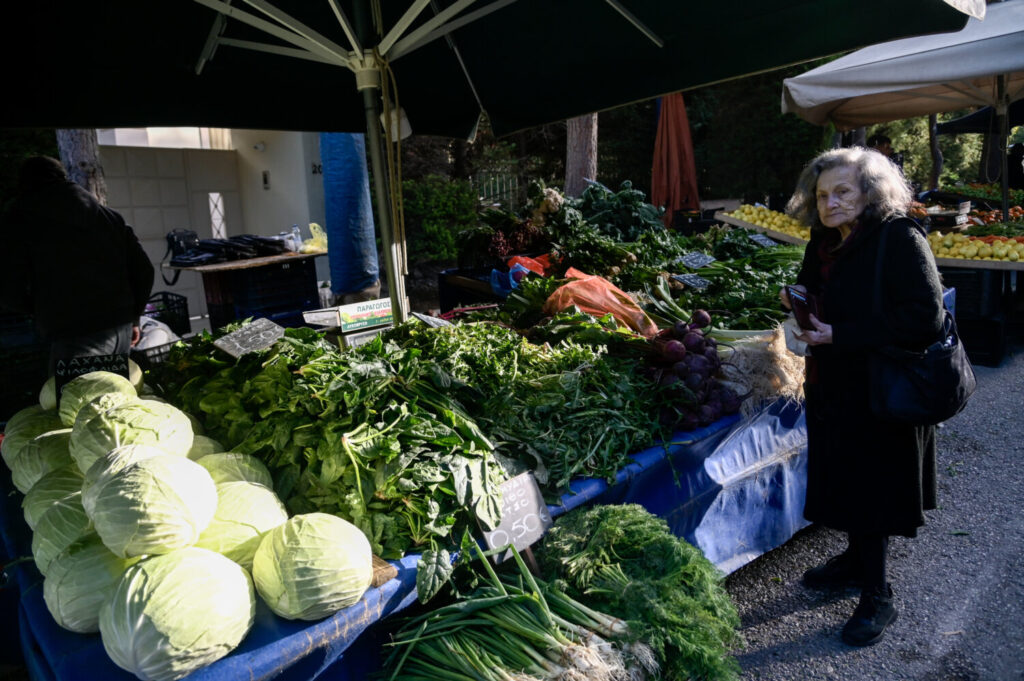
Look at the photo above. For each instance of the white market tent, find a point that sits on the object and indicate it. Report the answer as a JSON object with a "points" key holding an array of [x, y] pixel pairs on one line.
{"points": [[917, 76]]}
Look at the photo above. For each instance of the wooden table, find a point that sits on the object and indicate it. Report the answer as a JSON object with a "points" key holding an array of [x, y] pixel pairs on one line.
{"points": [[228, 287]]}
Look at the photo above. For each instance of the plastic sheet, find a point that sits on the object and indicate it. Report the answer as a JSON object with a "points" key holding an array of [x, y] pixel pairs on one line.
{"points": [[735, 489], [598, 296]]}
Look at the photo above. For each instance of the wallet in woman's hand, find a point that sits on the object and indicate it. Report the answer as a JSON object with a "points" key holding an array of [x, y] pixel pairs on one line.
{"points": [[803, 305]]}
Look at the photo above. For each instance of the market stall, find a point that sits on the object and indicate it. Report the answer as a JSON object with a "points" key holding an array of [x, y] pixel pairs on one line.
{"points": [[734, 489]]}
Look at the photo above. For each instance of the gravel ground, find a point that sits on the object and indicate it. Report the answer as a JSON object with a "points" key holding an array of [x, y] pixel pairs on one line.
{"points": [[959, 586]]}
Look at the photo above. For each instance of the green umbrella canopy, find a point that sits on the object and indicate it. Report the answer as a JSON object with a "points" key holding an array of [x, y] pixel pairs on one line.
{"points": [[123, 63]]}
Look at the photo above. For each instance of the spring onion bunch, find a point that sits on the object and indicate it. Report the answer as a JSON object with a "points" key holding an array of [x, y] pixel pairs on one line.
{"points": [[515, 629]]}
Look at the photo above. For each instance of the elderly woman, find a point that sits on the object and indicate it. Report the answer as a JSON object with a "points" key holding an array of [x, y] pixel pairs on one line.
{"points": [[869, 478]]}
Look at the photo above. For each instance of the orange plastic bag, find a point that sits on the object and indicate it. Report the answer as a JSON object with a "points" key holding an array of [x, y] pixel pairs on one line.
{"points": [[538, 265], [597, 296]]}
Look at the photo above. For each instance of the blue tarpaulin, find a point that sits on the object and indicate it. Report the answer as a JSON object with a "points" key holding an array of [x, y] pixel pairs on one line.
{"points": [[351, 240], [735, 489]]}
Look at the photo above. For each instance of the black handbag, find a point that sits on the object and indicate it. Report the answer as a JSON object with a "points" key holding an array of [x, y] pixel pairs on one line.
{"points": [[179, 243], [919, 388]]}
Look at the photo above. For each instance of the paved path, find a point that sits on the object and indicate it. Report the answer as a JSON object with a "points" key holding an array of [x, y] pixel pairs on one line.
{"points": [[959, 585]]}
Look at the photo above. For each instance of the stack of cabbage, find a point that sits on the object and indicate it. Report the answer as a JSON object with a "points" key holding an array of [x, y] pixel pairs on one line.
{"points": [[147, 532]]}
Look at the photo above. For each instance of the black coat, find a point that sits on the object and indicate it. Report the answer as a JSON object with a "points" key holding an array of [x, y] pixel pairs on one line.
{"points": [[865, 475], [71, 262]]}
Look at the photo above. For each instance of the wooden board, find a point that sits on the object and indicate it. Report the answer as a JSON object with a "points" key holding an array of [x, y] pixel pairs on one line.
{"points": [[383, 572], [969, 264], [778, 236], [245, 264]]}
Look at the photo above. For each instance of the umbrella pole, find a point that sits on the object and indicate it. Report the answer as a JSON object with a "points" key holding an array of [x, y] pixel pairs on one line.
{"points": [[1004, 133], [396, 287]]}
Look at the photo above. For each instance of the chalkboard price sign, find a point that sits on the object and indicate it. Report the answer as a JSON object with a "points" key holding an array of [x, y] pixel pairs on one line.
{"points": [[696, 260], [692, 280], [763, 240], [68, 368], [524, 516], [260, 334]]}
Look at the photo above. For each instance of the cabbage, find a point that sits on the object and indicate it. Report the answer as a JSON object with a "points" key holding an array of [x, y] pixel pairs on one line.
{"points": [[312, 565], [48, 394], [23, 427], [50, 488], [235, 467], [42, 454], [80, 580], [81, 390], [135, 422], [172, 614], [96, 406], [113, 461], [64, 523], [135, 376], [155, 505], [202, 445], [245, 512]]}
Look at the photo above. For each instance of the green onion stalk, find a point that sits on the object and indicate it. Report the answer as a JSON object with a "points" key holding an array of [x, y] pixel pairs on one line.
{"points": [[512, 629]]}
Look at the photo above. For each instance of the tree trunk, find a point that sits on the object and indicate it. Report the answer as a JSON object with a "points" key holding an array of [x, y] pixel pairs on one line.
{"points": [[581, 153], [79, 152], [933, 142]]}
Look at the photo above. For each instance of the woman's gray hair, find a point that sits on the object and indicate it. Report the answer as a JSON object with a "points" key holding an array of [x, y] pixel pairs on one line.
{"points": [[889, 194]]}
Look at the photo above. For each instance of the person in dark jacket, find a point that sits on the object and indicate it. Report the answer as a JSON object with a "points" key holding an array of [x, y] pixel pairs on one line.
{"points": [[869, 478], [73, 264]]}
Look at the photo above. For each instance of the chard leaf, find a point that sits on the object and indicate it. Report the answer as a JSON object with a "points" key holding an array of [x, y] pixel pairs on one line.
{"points": [[433, 570]]}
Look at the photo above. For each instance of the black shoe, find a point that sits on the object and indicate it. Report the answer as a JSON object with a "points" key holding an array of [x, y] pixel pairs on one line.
{"points": [[873, 614], [839, 572]]}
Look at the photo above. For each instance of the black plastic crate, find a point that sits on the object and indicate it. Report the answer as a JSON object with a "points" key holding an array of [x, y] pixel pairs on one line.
{"points": [[147, 358], [978, 292], [984, 339], [461, 287], [288, 284], [171, 309]]}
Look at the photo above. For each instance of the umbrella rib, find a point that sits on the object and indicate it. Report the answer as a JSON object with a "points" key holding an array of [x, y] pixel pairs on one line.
{"points": [[434, 29], [462, 64], [402, 24], [318, 41], [346, 26], [639, 25], [337, 54]]}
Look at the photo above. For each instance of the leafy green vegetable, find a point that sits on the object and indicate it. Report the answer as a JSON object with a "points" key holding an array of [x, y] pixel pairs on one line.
{"points": [[158, 625], [312, 565], [627, 563]]}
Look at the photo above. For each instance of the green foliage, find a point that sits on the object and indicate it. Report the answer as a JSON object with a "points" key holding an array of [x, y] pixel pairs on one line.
{"points": [[744, 146], [625, 145], [436, 210], [627, 563], [961, 154]]}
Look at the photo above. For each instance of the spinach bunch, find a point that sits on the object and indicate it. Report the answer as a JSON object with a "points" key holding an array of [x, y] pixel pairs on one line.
{"points": [[372, 435]]}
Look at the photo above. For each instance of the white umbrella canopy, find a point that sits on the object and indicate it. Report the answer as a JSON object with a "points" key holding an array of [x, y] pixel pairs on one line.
{"points": [[916, 76]]}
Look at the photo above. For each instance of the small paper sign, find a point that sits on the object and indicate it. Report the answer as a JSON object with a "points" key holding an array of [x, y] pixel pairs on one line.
{"points": [[763, 240], [961, 219], [258, 335], [364, 315], [524, 516], [432, 322], [692, 280], [963, 207], [696, 260], [67, 369]]}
